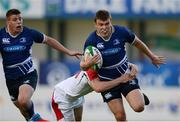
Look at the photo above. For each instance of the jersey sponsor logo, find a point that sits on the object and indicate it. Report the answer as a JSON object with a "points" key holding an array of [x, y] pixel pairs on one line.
{"points": [[116, 42], [133, 82], [22, 40], [108, 95], [26, 81], [6, 41], [111, 51], [12, 98], [100, 46], [14, 48]]}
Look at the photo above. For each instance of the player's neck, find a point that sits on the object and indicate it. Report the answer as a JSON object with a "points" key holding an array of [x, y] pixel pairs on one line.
{"points": [[107, 38], [12, 33]]}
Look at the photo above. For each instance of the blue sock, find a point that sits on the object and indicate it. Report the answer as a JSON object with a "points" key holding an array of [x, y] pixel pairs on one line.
{"points": [[35, 117]]}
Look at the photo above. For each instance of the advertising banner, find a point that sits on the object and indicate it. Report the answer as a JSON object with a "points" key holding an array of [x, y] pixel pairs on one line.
{"points": [[29, 8], [118, 8], [53, 72], [167, 75]]}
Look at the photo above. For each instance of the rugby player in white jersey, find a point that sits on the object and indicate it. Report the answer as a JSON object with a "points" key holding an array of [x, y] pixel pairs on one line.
{"points": [[67, 99]]}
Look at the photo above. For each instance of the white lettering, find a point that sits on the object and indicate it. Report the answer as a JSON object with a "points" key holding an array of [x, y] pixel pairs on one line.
{"points": [[137, 6], [118, 6], [85, 6], [156, 6], [91, 5], [72, 6], [153, 79], [171, 7], [29, 8]]}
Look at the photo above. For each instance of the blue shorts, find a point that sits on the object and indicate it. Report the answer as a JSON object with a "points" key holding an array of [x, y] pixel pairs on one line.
{"points": [[14, 84], [116, 92]]}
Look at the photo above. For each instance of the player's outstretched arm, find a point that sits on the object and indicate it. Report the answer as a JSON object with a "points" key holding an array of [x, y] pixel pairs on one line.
{"points": [[100, 86], [156, 60], [58, 46]]}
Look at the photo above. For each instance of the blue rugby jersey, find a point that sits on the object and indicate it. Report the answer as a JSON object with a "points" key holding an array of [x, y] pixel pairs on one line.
{"points": [[113, 52], [16, 51]]}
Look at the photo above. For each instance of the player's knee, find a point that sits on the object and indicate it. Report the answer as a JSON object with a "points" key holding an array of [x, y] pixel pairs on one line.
{"points": [[120, 116], [138, 108], [22, 102]]}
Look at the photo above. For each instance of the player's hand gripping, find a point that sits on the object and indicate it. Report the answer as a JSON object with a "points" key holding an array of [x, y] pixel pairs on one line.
{"points": [[130, 75], [134, 71]]}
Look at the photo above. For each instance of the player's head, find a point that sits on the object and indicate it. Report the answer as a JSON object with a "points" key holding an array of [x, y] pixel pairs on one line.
{"points": [[14, 21], [103, 23]]}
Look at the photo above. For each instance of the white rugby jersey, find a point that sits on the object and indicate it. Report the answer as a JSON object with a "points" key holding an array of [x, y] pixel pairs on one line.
{"points": [[77, 85]]}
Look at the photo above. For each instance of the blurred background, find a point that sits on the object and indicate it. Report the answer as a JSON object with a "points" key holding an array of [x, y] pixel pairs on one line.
{"points": [[156, 22]]}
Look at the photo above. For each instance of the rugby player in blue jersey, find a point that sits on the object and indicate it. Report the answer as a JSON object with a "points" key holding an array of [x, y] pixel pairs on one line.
{"points": [[110, 40], [16, 43]]}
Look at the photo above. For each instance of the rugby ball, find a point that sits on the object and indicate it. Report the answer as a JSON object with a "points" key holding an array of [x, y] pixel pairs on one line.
{"points": [[91, 51]]}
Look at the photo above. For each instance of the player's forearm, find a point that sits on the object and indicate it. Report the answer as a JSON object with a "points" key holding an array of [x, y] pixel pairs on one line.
{"points": [[143, 47], [56, 45], [100, 86]]}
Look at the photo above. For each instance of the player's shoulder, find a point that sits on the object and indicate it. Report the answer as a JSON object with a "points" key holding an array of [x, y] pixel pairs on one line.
{"points": [[30, 30], [92, 36], [2, 31], [119, 27], [27, 29]]}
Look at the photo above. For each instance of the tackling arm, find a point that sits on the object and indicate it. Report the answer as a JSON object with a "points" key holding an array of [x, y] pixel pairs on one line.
{"points": [[100, 86]]}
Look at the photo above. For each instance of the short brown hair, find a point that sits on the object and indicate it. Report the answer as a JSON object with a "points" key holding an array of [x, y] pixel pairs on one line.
{"points": [[102, 15], [12, 12]]}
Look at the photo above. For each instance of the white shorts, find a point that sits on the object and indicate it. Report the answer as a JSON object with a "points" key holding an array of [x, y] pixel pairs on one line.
{"points": [[63, 105]]}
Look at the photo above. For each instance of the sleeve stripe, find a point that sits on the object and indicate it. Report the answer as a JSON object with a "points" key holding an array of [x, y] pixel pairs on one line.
{"points": [[133, 40], [44, 38]]}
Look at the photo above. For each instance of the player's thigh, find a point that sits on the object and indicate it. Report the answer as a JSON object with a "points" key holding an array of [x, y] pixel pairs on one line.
{"points": [[116, 106], [135, 100], [132, 93], [78, 113], [66, 104], [57, 111], [68, 114], [28, 86], [14, 85]]}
